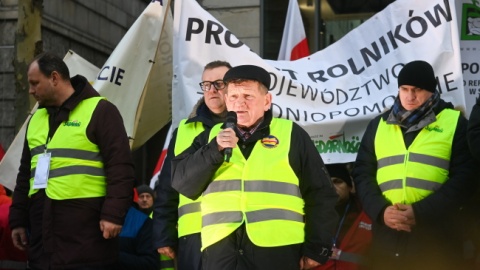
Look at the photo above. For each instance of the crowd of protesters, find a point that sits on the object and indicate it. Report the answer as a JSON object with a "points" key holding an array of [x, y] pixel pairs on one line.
{"points": [[240, 188]]}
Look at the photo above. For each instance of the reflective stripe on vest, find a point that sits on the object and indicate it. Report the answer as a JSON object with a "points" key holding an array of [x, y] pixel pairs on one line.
{"points": [[76, 166], [189, 217], [354, 245], [166, 263], [262, 191], [409, 175], [356, 241]]}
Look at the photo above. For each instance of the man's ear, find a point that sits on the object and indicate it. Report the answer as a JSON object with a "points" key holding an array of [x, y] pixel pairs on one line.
{"points": [[268, 101], [55, 77]]}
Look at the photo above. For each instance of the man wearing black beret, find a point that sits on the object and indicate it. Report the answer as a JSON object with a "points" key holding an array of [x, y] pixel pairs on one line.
{"points": [[271, 204], [413, 173]]}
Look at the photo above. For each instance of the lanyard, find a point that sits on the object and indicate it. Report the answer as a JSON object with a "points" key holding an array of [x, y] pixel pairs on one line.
{"points": [[341, 223], [46, 144]]}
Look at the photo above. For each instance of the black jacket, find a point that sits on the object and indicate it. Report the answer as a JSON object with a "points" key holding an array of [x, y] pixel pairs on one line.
{"points": [[192, 172], [473, 134], [77, 219], [165, 213], [135, 241], [434, 232]]}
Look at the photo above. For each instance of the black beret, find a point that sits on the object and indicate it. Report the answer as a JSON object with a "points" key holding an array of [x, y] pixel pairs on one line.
{"points": [[419, 74], [248, 72]]}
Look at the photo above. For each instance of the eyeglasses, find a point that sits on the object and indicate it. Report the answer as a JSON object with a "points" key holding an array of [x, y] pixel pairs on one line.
{"points": [[218, 84]]}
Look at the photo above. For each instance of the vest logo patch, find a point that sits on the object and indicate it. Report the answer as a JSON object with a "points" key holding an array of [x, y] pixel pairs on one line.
{"points": [[366, 226], [73, 123], [270, 141], [435, 128]]}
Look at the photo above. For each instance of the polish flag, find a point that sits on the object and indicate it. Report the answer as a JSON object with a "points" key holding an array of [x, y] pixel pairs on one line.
{"points": [[294, 41], [161, 159]]}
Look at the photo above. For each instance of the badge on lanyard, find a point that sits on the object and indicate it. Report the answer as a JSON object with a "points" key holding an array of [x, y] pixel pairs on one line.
{"points": [[41, 171], [335, 253]]}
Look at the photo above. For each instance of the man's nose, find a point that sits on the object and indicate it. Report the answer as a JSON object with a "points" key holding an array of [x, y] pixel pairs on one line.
{"points": [[411, 95], [240, 101]]}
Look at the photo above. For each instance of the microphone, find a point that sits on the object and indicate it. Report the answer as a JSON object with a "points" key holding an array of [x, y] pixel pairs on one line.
{"points": [[230, 122]]}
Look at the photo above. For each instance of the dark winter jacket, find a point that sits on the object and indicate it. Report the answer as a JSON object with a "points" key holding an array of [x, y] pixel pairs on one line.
{"points": [[66, 233], [192, 171], [434, 240], [136, 245], [473, 133], [165, 215]]}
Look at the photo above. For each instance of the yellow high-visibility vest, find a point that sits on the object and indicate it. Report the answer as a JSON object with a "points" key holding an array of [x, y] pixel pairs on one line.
{"points": [[76, 166], [262, 191], [189, 217], [409, 175]]}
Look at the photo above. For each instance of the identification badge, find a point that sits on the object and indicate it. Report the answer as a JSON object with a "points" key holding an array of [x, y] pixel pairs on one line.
{"points": [[335, 253], [41, 171]]}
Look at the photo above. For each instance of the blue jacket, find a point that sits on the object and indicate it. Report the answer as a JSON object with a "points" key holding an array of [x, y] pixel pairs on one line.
{"points": [[136, 246]]}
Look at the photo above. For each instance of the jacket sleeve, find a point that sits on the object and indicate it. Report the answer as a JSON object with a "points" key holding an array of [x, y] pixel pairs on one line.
{"points": [[318, 193], [193, 169], [19, 210], [459, 187], [473, 133], [165, 211], [110, 135], [365, 175], [145, 256]]}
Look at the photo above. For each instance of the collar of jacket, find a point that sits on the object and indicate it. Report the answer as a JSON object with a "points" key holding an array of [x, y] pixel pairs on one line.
{"points": [[201, 113], [83, 90]]}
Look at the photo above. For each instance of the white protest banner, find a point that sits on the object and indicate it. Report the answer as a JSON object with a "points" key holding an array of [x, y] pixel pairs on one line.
{"points": [[333, 93], [137, 75], [77, 65], [468, 14]]}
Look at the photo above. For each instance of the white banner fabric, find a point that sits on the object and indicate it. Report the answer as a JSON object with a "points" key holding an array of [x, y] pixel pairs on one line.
{"points": [[138, 73], [334, 93]]}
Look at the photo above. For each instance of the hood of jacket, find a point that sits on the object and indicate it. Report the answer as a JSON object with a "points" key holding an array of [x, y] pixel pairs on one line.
{"points": [[201, 113]]}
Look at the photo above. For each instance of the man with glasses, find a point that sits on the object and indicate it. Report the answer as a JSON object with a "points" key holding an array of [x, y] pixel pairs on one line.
{"points": [[272, 205], [170, 208]]}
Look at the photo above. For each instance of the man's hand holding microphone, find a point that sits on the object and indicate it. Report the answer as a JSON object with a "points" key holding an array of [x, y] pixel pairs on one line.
{"points": [[227, 139]]}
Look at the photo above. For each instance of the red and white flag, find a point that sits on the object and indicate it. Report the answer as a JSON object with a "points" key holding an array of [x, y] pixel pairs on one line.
{"points": [[161, 159], [294, 41]]}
